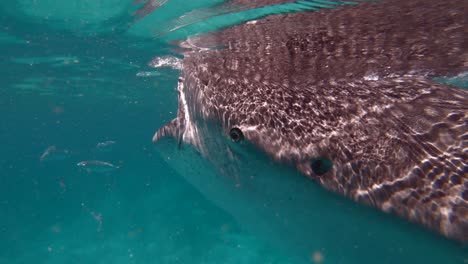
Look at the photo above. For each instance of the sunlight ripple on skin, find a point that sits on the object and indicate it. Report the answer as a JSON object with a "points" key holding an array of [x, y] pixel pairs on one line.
{"points": [[347, 97]]}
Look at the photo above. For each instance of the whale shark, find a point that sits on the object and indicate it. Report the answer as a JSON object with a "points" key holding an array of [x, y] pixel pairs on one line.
{"points": [[346, 97]]}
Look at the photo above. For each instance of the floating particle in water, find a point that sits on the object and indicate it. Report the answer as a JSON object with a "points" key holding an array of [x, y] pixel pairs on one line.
{"points": [[317, 257], [56, 229], [57, 109], [225, 228], [135, 232], [130, 253]]}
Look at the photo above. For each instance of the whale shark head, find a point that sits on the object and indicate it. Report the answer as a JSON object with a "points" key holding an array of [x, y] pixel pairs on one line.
{"points": [[311, 93]]}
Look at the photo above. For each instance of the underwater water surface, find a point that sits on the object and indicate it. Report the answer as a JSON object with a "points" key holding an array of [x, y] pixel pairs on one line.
{"points": [[77, 85]]}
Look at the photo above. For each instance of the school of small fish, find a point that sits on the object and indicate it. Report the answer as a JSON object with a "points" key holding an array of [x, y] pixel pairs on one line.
{"points": [[54, 154]]}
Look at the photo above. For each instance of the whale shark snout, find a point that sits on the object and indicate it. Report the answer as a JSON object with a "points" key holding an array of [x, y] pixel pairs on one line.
{"points": [[345, 96]]}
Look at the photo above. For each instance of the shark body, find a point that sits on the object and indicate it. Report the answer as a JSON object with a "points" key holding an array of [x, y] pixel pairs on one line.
{"points": [[346, 97]]}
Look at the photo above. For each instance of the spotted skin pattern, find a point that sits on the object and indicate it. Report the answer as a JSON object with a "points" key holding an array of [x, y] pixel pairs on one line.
{"points": [[352, 85]]}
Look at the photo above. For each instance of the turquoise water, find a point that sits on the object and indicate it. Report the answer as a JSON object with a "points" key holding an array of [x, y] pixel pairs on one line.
{"points": [[75, 74]]}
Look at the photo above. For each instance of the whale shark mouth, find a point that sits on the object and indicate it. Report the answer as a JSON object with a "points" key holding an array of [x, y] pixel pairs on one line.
{"points": [[182, 127], [176, 127]]}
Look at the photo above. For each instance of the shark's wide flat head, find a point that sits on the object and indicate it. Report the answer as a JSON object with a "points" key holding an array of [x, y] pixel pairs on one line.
{"points": [[345, 96]]}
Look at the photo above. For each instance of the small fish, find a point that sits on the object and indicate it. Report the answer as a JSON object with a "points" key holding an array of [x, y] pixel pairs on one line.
{"points": [[52, 153], [97, 166], [97, 216], [105, 146]]}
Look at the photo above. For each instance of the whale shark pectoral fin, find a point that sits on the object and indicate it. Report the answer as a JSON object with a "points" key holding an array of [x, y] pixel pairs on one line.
{"points": [[175, 129]]}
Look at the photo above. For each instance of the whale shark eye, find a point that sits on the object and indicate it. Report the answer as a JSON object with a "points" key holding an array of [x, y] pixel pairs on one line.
{"points": [[236, 134], [321, 165]]}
